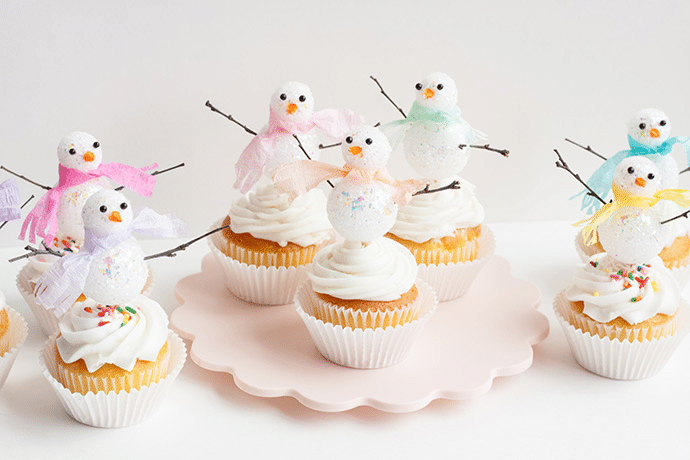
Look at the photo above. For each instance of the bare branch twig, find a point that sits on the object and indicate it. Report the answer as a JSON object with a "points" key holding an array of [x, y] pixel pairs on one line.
{"points": [[588, 148], [155, 173], [173, 252], [452, 186], [504, 152], [307, 155], [229, 117], [44, 187], [387, 97], [685, 214], [560, 163], [35, 252]]}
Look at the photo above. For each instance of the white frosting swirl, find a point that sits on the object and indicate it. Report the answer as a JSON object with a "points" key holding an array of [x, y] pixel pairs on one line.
{"points": [[381, 270], [608, 292], [437, 215], [137, 330], [268, 214]]}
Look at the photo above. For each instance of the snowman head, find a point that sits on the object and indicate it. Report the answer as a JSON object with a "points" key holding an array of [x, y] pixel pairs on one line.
{"points": [[437, 91], [293, 102], [107, 212], [366, 147], [80, 151], [637, 176], [650, 127]]}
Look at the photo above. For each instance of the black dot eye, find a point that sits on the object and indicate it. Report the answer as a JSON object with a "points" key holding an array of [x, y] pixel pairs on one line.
{"points": [[348, 139], [72, 151], [439, 86], [103, 208], [650, 176], [662, 123], [283, 97], [302, 98], [418, 86], [643, 125], [368, 140], [123, 205], [631, 170], [96, 144]]}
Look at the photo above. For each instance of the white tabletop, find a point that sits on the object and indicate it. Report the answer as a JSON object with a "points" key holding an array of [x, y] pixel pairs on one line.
{"points": [[553, 410]]}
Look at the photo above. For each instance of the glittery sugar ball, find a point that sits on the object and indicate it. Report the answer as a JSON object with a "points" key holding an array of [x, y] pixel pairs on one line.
{"points": [[432, 149], [80, 151], [437, 91], [106, 212], [293, 102], [360, 211], [286, 149], [637, 176], [633, 235], [650, 127], [366, 148]]}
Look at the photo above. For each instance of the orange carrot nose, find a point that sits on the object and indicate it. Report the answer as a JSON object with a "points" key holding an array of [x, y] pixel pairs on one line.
{"points": [[89, 156], [640, 182], [654, 132], [291, 108], [115, 217], [428, 93], [355, 150]]}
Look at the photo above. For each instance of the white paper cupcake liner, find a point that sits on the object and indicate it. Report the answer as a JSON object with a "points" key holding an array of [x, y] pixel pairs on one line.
{"points": [[364, 348], [114, 410], [12, 339], [260, 285], [622, 360], [453, 280], [46, 318]]}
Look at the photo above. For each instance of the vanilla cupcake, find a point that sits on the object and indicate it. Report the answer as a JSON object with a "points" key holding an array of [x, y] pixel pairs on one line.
{"points": [[445, 234], [13, 332], [109, 362], [271, 240], [623, 321]]}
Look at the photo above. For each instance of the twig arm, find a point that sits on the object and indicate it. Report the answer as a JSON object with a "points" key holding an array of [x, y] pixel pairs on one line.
{"points": [[173, 252], [452, 186], [44, 187], [229, 117], [560, 163], [388, 97], [588, 148], [504, 152], [301, 147], [685, 214], [155, 173], [35, 252]]}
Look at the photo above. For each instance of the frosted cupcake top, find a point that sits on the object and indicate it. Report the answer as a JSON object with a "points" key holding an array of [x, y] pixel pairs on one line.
{"points": [[610, 290], [118, 335], [437, 215], [382, 270], [268, 214]]}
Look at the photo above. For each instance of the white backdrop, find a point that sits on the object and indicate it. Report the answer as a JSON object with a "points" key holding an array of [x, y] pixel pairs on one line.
{"points": [[137, 74]]}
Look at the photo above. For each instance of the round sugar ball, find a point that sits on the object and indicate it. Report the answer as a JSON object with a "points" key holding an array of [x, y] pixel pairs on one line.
{"points": [[432, 149], [437, 91], [638, 176], [80, 151], [286, 150], [650, 127], [366, 147], [119, 275], [360, 211], [633, 235], [293, 102]]}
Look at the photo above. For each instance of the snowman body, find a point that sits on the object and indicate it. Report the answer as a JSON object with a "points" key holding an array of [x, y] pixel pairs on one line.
{"points": [[117, 275], [286, 149], [71, 203], [360, 211], [633, 235], [432, 149]]}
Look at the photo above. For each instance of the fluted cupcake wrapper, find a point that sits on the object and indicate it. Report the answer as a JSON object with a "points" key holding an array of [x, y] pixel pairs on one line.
{"points": [[364, 348], [258, 284], [46, 318], [453, 280], [114, 410], [621, 360], [11, 341]]}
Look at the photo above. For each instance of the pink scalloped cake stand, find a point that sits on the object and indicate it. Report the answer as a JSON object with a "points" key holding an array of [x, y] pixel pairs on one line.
{"points": [[487, 333]]}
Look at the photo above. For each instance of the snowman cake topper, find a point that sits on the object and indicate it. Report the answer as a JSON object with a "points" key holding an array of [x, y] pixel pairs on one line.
{"points": [[436, 139], [81, 166], [291, 113], [630, 227], [649, 132]]}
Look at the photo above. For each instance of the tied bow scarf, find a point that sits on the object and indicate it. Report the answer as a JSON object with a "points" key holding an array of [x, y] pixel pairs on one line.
{"points": [[420, 113], [250, 166], [602, 178], [624, 199], [9, 201], [301, 176], [42, 220], [63, 283]]}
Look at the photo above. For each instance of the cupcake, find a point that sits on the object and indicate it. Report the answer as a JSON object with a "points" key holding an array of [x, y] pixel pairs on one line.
{"points": [[13, 332], [444, 230], [271, 238], [362, 303], [624, 316], [649, 136]]}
